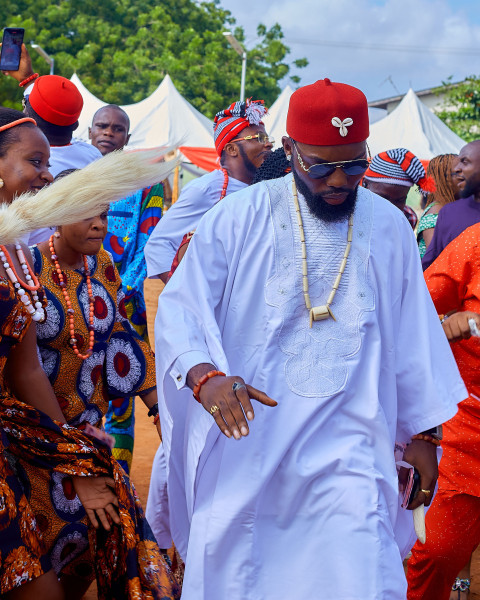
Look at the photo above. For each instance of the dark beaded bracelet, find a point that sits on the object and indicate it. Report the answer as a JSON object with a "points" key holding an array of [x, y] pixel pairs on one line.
{"points": [[153, 412]]}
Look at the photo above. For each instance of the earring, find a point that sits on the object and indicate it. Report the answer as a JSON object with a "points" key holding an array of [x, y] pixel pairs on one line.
{"points": [[289, 157], [1, 183], [57, 234]]}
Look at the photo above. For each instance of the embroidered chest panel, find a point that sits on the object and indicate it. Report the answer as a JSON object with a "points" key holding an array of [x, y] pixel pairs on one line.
{"points": [[316, 359]]}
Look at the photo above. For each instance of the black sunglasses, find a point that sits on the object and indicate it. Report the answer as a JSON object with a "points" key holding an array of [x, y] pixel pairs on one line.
{"points": [[319, 170]]}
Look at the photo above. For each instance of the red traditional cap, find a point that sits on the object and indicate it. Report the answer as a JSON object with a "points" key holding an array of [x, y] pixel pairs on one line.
{"points": [[229, 123], [56, 99], [399, 167], [328, 114]]}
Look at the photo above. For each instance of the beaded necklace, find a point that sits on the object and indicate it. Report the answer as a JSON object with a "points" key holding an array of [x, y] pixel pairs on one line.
{"points": [[70, 311], [225, 184], [319, 313], [31, 284]]}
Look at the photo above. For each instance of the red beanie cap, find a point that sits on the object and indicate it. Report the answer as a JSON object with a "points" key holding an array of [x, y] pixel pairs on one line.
{"points": [[328, 114], [56, 99]]}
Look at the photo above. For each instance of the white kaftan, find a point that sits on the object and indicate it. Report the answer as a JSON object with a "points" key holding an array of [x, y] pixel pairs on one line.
{"points": [[307, 505], [182, 217]]}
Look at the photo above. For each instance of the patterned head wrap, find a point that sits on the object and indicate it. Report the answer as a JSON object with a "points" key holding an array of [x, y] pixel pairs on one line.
{"points": [[229, 122], [399, 167]]}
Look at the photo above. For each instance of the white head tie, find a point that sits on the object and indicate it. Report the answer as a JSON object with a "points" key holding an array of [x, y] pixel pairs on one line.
{"points": [[342, 125]]}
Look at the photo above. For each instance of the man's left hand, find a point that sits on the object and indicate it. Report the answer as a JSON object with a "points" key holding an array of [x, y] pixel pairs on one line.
{"points": [[423, 456]]}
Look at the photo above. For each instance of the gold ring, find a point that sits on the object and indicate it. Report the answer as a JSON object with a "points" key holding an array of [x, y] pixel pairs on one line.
{"points": [[214, 409], [426, 492]]}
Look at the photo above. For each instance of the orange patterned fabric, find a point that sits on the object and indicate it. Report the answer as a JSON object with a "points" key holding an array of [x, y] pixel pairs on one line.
{"points": [[128, 563], [121, 364], [22, 552]]}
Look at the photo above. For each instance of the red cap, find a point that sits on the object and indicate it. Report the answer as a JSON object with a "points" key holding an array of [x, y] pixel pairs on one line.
{"points": [[56, 100], [328, 114]]}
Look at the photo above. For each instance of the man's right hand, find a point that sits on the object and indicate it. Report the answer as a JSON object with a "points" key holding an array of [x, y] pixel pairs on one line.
{"points": [[232, 406], [24, 68]]}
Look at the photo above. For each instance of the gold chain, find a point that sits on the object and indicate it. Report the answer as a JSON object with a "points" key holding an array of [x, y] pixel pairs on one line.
{"points": [[318, 313]]}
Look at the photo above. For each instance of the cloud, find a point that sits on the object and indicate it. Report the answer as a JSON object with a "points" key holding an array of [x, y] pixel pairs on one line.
{"points": [[383, 28]]}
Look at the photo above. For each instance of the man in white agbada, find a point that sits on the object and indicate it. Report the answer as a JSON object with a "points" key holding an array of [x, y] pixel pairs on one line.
{"points": [[242, 145], [301, 502]]}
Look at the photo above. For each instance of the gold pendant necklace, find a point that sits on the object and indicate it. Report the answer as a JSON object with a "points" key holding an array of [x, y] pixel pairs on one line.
{"points": [[319, 313]]}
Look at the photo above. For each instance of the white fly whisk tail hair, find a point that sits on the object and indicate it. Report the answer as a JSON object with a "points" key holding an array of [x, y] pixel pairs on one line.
{"points": [[85, 193]]}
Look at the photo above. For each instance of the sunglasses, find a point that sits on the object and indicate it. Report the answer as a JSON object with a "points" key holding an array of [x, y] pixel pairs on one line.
{"points": [[319, 170], [262, 138]]}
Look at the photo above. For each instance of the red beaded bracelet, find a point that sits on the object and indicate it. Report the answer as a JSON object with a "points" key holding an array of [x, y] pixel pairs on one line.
{"points": [[202, 380], [426, 438], [28, 80]]}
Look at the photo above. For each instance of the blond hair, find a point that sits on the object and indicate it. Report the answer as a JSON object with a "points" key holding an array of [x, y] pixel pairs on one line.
{"points": [[83, 194]]}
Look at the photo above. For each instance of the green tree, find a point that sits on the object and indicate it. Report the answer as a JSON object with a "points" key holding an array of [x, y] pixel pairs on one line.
{"points": [[461, 107], [122, 49]]}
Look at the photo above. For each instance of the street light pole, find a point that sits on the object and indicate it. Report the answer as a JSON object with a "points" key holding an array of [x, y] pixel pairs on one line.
{"points": [[50, 60], [240, 50], [244, 73]]}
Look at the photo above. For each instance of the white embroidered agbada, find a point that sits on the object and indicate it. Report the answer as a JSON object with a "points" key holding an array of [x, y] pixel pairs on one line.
{"points": [[307, 505]]}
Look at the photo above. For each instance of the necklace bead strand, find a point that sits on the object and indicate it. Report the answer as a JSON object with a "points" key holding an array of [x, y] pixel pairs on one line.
{"points": [[70, 310], [225, 184], [304, 250], [35, 308], [318, 313]]}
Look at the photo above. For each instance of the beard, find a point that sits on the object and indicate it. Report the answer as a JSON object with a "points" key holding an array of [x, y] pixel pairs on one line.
{"points": [[321, 209], [468, 190], [249, 166]]}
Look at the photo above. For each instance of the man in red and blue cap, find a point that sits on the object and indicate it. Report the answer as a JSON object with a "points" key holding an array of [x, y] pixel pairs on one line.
{"points": [[242, 145], [302, 293], [391, 174]]}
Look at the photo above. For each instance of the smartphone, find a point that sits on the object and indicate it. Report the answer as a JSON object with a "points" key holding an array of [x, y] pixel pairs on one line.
{"points": [[11, 48], [409, 484]]}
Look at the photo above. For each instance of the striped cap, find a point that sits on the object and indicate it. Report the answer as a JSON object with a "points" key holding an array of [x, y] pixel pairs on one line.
{"points": [[229, 122], [398, 167]]}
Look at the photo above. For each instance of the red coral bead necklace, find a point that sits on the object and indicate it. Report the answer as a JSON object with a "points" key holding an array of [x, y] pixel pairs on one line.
{"points": [[225, 184], [70, 311]]}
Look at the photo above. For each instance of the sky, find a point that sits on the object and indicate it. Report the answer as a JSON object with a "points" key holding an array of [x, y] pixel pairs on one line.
{"points": [[384, 47]]}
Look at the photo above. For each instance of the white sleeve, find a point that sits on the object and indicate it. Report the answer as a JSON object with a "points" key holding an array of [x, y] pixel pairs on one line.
{"points": [[429, 385], [184, 363], [181, 218]]}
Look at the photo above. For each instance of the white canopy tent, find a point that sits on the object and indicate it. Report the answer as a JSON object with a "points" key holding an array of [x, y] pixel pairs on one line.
{"points": [[414, 126], [164, 118], [276, 119], [172, 121]]}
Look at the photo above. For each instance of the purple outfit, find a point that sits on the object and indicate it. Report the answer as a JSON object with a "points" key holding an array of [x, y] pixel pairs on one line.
{"points": [[452, 220]]}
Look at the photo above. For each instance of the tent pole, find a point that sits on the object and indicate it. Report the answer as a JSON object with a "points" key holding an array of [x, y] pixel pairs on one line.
{"points": [[175, 183]]}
